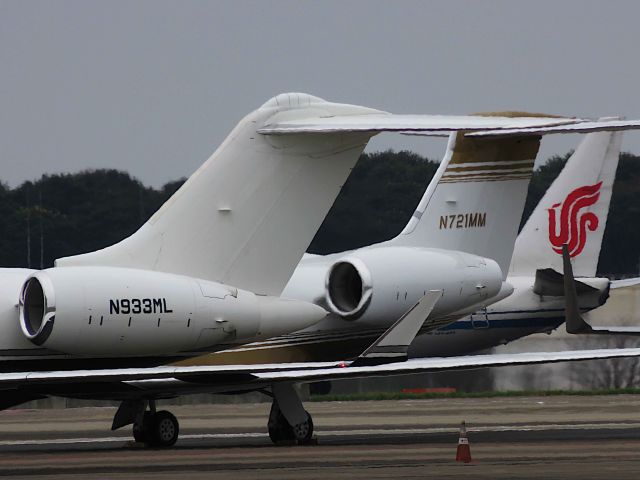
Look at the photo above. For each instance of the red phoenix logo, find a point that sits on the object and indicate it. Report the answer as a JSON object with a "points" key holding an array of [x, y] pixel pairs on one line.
{"points": [[574, 223]]}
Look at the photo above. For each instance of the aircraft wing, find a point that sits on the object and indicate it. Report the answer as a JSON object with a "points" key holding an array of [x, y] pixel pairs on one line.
{"points": [[506, 124], [381, 359], [14, 379], [440, 364], [248, 375]]}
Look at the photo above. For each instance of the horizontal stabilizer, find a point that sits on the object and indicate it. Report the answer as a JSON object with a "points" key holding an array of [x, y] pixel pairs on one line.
{"points": [[424, 124], [483, 125], [548, 282], [393, 344], [625, 283], [575, 323], [577, 127]]}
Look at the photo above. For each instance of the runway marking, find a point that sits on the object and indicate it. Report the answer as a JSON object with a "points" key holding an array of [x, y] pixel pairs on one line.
{"points": [[355, 432]]}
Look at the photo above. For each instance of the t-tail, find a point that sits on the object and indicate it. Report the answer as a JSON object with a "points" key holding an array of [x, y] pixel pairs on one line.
{"points": [[245, 217], [572, 212], [476, 199]]}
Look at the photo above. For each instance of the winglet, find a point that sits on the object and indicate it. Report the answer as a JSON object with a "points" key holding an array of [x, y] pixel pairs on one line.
{"points": [[393, 344]]}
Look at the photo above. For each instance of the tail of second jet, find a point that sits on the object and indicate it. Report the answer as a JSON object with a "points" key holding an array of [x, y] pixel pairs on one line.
{"points": [[573, 211], [475, 201]]}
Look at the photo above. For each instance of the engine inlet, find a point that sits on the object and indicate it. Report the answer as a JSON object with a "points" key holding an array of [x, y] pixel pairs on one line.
{"points": [[348, 288], [36, 317]]}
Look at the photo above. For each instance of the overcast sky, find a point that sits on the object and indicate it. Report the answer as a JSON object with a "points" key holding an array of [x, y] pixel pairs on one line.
{"points": [[153, 87]]}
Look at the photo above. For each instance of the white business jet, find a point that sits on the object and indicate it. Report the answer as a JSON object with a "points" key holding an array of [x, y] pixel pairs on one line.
{"points": [[209, 267]]}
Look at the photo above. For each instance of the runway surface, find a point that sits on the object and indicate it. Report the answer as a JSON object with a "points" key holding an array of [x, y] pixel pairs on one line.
{"points": [[519, 438]]}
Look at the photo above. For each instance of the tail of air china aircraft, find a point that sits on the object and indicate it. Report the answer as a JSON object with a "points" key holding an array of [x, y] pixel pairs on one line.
{"points": [[573, 211], [475, 201]]}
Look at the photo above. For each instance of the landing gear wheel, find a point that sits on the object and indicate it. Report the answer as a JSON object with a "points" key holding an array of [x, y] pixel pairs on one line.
{"points": [[281, 431], [163, 430], [304, 431]]}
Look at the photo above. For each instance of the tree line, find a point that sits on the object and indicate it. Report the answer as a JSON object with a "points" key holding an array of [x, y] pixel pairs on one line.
{"points": [[66, 214]]}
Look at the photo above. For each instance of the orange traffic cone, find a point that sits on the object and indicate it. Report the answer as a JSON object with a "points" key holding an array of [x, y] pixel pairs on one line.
{"points": [[463, 454]]}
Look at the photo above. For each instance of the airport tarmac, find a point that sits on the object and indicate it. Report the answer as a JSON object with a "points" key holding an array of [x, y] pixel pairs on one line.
{"points": [[516, 437]]}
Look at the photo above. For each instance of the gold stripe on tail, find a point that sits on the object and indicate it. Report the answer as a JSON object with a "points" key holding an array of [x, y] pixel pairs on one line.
{"points": [[491, 159]]}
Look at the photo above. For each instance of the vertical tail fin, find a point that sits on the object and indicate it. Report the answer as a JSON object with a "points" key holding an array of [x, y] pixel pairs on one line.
{"points": [[573, 211], [475, 201], [246, 216]]}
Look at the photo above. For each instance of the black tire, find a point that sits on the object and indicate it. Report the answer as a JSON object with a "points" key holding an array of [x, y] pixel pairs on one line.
{"points": [[280, 430], [283, 432], [304, 431], [164, 430]]}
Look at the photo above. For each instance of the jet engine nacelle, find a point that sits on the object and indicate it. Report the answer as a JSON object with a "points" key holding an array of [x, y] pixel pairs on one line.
{"points": [[381, 281], [107, 311]]}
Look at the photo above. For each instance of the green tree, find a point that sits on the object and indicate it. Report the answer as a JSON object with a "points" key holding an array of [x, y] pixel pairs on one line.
{"points": [[376, 201], [85, 211]]}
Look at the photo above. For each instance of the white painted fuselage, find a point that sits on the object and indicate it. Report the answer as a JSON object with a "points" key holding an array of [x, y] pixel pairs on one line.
{"points": [[520, 314]]}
